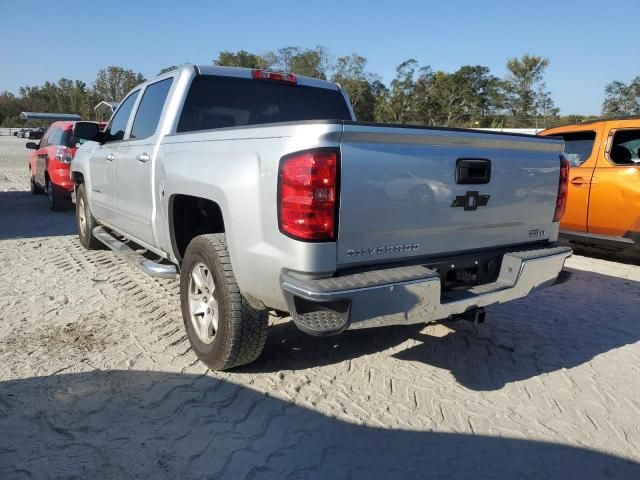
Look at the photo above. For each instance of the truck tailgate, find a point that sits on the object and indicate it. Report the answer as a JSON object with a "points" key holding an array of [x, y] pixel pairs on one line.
{"points": [[403, 194]]}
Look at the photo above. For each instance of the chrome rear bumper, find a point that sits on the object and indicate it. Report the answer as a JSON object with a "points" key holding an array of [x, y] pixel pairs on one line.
{"points": [[407, 295]]}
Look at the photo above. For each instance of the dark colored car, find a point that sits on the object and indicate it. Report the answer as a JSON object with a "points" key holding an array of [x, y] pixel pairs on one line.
{"points": [[37, 134]]}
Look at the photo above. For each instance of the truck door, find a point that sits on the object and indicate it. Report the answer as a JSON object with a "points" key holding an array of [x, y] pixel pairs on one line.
{"points": [[134, 168], [614, 206], [581, 149], [103, 162]]}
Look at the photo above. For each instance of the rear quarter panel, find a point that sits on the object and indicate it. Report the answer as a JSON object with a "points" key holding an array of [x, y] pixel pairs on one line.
{"points": [[238, 169]]}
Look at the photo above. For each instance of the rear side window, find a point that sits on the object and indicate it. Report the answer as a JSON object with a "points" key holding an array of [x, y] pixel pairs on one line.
{"points": [[625, 147], [118, 124], [150, 109], [219, 102], [578, 146]]}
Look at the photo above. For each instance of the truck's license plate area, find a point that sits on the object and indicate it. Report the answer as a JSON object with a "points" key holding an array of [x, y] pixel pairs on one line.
{"points": [[467, 272]]}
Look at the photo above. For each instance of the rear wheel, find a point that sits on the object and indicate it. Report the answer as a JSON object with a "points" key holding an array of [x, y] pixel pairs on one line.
{"points": [[56, 201], [223, 329], [85, 221], [34, 187]]}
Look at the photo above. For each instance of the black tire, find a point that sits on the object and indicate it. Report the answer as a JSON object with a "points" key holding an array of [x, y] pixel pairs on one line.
{"points": [[34, 187], [56, 201], [85, 232], [242, 330]]}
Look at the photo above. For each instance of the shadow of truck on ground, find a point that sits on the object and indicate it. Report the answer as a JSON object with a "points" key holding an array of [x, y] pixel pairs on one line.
{"points": [[561, 327], [125, 424], [23, 215]]}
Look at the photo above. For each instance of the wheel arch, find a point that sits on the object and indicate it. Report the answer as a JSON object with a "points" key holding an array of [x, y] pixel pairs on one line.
{"points": [[77, 177], [190, 216]]}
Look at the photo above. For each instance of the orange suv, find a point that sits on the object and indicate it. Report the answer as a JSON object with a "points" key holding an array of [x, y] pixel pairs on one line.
{"points": [[604, 182]]}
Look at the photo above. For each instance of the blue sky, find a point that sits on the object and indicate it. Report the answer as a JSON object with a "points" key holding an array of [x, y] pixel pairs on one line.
{"points": [[588, 43]]}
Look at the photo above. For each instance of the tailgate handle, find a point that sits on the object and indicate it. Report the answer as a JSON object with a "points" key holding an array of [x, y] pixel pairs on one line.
{"points": [[473, 171]]}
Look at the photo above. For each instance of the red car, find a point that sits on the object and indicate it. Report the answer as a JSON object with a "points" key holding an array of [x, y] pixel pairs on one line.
{"points": [[49, 164]]}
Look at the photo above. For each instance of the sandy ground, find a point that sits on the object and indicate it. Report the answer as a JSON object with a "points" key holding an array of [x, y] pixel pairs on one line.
{"points": [[97, 378]]}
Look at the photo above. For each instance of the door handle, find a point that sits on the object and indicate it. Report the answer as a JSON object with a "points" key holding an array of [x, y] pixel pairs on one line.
{"points": [[110, 157], [578, 181], [143, 157]]}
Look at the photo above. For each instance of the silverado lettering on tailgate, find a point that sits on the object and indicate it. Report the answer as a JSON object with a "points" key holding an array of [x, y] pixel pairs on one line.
{"points": [[362, 252]]}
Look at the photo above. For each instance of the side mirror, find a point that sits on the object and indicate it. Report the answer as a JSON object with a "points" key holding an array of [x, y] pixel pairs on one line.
{"points": [[87, 131], [32, 146]]}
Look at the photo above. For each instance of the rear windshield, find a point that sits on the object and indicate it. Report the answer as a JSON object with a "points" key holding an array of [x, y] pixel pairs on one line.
{"points": [[68, 140], [220, 102]]}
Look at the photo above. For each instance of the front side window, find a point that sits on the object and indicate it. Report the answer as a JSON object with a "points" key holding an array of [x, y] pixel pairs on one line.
{"points": [[150, 109], [118, 124], [44, 139], [578, 146], [625, 147]]}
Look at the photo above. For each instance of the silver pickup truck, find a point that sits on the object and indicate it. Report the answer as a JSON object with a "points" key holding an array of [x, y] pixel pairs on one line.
{"points": [[262, 191]]}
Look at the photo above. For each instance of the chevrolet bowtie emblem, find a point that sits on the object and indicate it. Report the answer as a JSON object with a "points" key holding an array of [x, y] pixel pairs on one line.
{"points": [[471, 201]]}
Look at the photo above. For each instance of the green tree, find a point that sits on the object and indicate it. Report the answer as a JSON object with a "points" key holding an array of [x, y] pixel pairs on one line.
{"points": [[309, 62], [524, 86], [360, 85], [398, 105], [241, 58], [622, 98], [452, 98], [545, 108], [10, 108], [424, 103], [113, 83], [482, 91]]}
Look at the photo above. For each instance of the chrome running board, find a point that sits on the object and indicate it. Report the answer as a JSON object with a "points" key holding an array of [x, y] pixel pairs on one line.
{"points": [[154, 269]]}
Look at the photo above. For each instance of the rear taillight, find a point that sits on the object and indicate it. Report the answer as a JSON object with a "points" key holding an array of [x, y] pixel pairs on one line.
{"points": [[308, 195], [563, 189], [275, 76], [64, 154]]}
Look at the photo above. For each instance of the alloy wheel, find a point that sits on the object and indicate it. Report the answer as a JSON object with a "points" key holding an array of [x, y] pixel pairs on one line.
{"points": [[203, 307]]}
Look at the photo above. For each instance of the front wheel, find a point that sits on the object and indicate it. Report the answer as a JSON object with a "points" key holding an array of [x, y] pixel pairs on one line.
{"points": [[223, 329]]}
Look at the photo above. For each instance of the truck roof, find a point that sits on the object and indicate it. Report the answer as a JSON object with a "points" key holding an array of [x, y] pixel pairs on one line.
{"points": [[242, 72]]}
